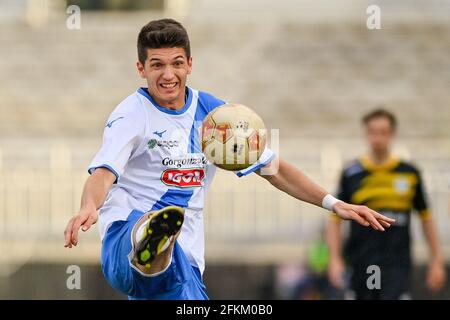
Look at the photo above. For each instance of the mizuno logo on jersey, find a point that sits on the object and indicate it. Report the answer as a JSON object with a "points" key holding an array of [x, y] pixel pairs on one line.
{"points": [[109, 124], [159, 134], [183, 177]]}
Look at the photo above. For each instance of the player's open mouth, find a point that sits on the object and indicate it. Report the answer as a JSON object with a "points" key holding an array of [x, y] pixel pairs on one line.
{"points": [[169, 85]]}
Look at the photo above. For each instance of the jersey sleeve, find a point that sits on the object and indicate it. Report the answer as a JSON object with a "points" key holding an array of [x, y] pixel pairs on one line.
{"points": [[343, 192], [419, 200], [122, 135], [266, 157]]}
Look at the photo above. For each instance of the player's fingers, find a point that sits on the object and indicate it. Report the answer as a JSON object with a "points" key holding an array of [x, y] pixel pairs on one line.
{"points": [[355, 216], [383, 220], [74, 237], [76, 227], [89, 222], [375, 223], [369, 217], [68, 233], [384, 224], [380, 217]]}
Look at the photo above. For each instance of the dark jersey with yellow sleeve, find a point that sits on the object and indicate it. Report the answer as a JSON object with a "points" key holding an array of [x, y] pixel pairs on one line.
{"points": [[394, 189]]}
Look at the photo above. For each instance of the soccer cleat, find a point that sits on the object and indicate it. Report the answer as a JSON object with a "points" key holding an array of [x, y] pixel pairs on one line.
{"points": [[162, 225]]}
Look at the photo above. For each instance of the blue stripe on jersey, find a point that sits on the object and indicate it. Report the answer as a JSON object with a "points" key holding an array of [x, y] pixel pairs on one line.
{"points": [[254, 168], [206, 103], [173, 197], [144, 92]]}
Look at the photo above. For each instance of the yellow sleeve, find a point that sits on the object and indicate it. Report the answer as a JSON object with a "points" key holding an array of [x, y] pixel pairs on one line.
{"points": [[335, 217], [425, 214]]}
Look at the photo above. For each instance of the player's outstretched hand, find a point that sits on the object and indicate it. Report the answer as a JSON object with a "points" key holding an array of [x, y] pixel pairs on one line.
{"points": [[363, 215], [84, 220]]}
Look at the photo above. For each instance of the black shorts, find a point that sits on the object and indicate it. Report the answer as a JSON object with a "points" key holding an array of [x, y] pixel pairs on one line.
{"points": [[394, 283]]}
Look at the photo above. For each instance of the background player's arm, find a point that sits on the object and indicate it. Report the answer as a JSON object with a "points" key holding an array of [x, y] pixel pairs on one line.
{"points": [[292, 181], [94, 194], [336, 265], [436, 270]]}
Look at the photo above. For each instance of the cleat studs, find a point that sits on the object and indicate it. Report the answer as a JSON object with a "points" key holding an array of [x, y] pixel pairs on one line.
{"points": [[150, 231], [165, 215], [148, 265], [145, 255], [179, 223]]}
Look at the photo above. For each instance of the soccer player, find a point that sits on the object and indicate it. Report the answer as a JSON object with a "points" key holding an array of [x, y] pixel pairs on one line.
{"points": [[395, 188], [149, 179]]}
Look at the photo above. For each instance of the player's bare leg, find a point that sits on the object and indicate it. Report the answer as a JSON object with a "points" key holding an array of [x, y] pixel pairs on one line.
{"points": [[153, 246]]}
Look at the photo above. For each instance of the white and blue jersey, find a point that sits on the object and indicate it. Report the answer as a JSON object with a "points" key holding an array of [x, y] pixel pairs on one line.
{"points": [[155, 154]]}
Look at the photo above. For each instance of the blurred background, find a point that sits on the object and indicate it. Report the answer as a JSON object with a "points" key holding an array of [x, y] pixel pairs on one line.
{"points": [[310, 68]]}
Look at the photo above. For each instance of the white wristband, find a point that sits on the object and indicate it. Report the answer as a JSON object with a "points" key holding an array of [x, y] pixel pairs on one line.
{"points": [[328, 202]]}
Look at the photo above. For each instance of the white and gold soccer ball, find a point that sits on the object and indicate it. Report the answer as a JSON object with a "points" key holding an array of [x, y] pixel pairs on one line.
{"points": [[233, 137]]}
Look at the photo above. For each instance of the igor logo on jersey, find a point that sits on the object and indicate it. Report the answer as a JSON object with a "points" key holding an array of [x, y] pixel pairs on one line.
{"points": [[183, 177]]}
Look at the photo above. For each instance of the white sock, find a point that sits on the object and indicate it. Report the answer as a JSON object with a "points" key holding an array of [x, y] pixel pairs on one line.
{"points": [[167, 244], [140, 232]]}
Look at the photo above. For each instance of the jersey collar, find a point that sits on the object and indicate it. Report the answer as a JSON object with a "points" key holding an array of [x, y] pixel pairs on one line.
{"points": [[389, 164], [144, 91]]}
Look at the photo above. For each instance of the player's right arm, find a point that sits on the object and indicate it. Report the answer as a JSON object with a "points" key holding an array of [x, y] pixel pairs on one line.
{"points": [[292, 181], [94, 194], [121, 137]]}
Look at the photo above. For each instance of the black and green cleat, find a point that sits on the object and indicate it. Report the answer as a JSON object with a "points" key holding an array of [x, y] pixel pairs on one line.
{"points": [[162, 225]]}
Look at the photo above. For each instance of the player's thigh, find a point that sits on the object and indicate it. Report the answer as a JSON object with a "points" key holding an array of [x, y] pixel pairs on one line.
{"points": [[359, 289], [116, 247], [180, 281], [395, 283]]}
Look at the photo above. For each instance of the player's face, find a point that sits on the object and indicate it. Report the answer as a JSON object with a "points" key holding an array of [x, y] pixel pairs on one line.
{"points": [[379, 134], [166, 71]]}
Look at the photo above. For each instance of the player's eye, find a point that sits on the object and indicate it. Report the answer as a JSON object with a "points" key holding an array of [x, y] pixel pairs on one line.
{"points": [[156, 65], [178, 63]]}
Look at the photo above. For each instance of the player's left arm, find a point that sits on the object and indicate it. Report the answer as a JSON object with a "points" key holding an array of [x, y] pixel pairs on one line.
{"points": [[436, 275], [289, 179]]}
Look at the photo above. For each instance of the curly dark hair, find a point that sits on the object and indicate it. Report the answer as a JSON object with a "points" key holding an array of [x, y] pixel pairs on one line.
{"points": [[163, 33]]}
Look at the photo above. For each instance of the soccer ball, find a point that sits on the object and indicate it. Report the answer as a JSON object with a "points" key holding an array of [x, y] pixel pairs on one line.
{"points": [[233, 137]]}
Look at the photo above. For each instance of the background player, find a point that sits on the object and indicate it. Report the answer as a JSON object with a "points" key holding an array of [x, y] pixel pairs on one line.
{"points": [[395, 188], [150, 139]]}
